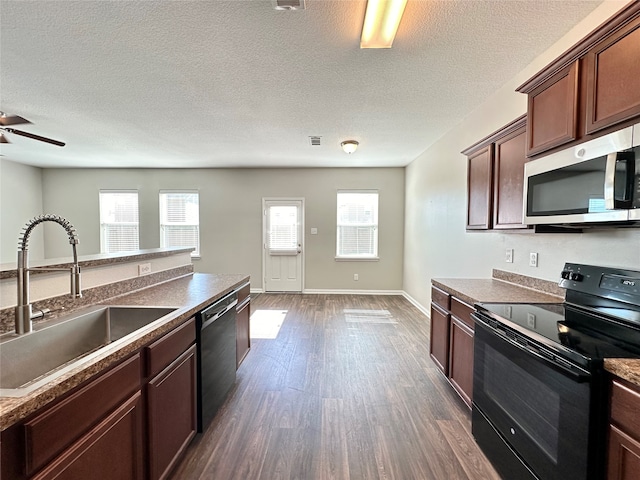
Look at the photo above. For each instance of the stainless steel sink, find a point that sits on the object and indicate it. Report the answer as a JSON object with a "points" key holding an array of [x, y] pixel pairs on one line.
{"points": [[29, 361]]}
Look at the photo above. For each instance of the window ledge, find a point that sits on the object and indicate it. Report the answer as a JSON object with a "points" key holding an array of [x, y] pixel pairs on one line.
{"points": [[357, 259]]}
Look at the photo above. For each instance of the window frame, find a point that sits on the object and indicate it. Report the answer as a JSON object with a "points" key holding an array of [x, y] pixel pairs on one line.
{"points": [[104, 225], [375, 225], [161, 210]]}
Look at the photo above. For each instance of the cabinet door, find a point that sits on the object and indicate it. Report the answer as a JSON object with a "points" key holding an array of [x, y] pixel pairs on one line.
{"points": [[479, 188], [510, 157], [243, 340], [624, 456], [613, 79], [461, 359], [439, 338], [113, 449], [552, 111], [172, 414]]}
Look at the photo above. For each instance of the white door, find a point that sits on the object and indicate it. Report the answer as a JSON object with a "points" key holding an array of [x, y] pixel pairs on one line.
{"points": [[282, 246]]}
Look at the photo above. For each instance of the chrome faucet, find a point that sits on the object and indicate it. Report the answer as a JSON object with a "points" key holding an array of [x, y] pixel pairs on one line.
{"points": [[24, 312]]}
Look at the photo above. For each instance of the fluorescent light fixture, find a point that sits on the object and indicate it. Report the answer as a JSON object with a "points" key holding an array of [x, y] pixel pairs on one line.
{"points": [[349, 146], [381, 22]]}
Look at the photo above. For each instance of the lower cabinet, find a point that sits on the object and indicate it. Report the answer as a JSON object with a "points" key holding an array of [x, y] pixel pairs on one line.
{"points": [[131, 422], [451, 341], [624, 432], [113, 449], [243, 315], [171, 399]]}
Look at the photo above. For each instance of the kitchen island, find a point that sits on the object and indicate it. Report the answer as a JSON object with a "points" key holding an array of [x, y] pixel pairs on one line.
{"points": [[188, 294]]}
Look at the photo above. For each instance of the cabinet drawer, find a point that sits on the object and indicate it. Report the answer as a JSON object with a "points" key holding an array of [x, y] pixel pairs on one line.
{"points": [[243, 292], [440, 297], [164, 351], [625, 403], [462, 311], [52, 431]]}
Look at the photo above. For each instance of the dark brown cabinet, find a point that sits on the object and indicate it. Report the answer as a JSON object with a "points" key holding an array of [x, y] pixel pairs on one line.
{"points": [[171, 398], [613, 79], [131, 422], [495, 178], [508, 180], [439, 338], [113, 449], [552, 111], [451, 341], [624, 432], [592, 89], [243, 315], [479, 188]]}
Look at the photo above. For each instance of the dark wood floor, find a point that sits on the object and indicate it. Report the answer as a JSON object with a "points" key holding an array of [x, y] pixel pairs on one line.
{"points": [[345, 391]]}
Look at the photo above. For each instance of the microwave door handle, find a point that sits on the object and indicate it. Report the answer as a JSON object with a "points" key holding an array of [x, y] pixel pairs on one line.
{"points": [[610, 182], [611, 202]]}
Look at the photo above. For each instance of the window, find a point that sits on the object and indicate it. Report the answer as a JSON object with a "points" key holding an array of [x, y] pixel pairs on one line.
{"points": [[357, 232], [180, 220], [283, 229], [118, 221]]}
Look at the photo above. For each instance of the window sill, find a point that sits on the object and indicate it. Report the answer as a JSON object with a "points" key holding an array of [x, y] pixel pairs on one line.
{"points": [[357, 259]]}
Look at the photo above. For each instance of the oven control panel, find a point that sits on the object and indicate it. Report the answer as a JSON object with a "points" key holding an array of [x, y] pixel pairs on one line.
{"points": [[621, 283], [608, 282]]}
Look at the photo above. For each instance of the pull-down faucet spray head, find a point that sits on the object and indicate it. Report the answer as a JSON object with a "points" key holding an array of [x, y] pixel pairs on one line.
{"points": [[24, 312]]}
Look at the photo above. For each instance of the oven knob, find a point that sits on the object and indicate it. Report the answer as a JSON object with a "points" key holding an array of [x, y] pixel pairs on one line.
{"points": [[576, 277], [565, 274]]}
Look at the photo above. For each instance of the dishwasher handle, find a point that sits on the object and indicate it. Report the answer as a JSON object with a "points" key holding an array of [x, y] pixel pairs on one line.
{"points": [[218, 309]]}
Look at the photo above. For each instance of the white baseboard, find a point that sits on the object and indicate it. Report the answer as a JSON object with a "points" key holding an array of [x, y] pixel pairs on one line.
{"points": [[417, 304], [321, 291]]}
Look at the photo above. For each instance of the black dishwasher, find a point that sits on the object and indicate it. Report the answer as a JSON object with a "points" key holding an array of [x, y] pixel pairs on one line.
{"points": [[216, 340]]}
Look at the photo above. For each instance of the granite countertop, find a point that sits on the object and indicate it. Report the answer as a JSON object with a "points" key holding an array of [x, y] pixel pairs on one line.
{"points": [[488, 290], [478, 290], [627, 369], [189, 294]]}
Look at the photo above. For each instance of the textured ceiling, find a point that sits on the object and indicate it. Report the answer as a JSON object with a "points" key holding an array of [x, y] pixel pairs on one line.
{"points": [[238, 83]]}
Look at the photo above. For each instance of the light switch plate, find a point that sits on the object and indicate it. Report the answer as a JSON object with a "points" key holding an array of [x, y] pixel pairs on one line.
{"points": [[509, 255], [314, 231]]}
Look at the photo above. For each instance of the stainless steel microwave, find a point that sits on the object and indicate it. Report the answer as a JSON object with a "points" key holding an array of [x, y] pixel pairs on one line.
{"points": [[597, 181]]}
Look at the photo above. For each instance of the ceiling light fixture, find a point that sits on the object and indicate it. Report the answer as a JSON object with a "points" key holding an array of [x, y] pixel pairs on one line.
{"points": [[349, 146], [381, 22]]}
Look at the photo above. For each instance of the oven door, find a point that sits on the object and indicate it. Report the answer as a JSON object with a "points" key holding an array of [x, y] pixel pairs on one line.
{"points": [[538, 410]]}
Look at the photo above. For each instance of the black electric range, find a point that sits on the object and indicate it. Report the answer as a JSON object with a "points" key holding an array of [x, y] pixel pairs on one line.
{"points": [[539, 387]]}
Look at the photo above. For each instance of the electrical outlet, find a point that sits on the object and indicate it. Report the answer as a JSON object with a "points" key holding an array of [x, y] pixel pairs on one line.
{"points": [[533, 259], [355, 277], [531, 320], [144, 269], [509, 255]]}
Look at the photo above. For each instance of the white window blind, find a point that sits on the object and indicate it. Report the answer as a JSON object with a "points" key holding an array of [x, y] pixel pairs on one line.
{"points": [[357, 232], [180, 220], [283, 229], [118, 221]]}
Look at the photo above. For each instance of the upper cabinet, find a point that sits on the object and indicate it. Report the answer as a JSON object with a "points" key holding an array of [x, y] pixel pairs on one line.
{"points": [[590, 90], [612, 69], [495, 178], [552, 111]]}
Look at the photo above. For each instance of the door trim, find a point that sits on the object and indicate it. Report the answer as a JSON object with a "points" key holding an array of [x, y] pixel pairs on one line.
{"points": [[264, 237]]}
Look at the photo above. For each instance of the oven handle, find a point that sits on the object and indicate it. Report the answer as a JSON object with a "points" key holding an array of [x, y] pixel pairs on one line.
{"points": [[581, 376]]}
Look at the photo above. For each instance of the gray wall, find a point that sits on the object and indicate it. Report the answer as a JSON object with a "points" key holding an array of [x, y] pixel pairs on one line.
{"points": [[436, 243], [231, 216], [20, 200]]}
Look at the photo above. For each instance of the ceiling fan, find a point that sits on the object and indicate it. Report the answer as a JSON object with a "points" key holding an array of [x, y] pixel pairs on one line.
{"points": [[6, 120]]}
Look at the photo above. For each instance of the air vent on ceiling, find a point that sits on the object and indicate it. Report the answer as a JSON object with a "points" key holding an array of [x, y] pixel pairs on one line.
{"points": [[314, 141], [289, 4]]}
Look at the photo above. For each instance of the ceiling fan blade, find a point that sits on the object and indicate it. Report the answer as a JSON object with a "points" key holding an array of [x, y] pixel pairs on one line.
{"points": [[11, 119], [35, 137]]}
